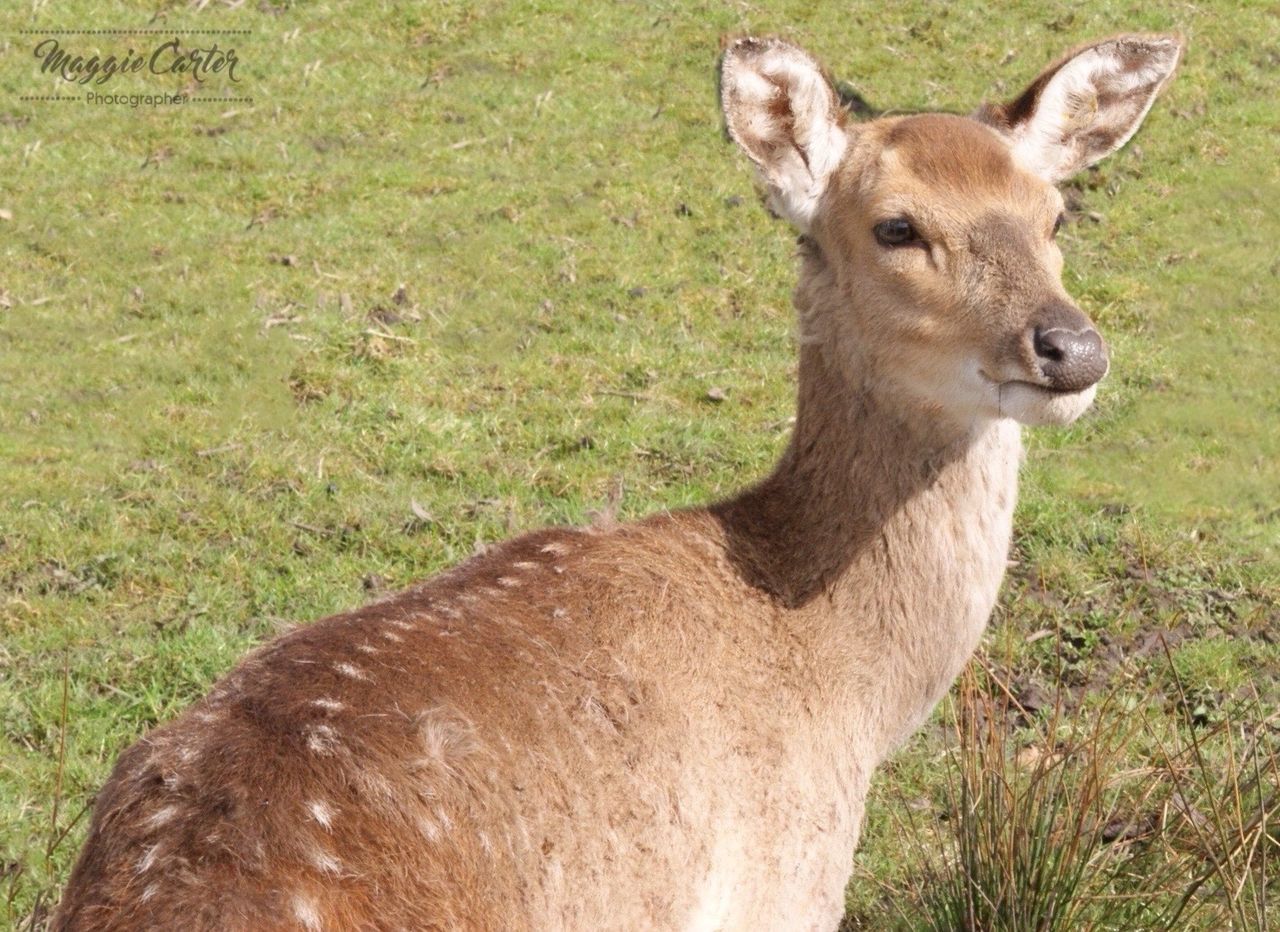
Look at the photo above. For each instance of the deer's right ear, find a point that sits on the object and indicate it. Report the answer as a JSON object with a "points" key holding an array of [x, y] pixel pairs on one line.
{"points": [[781, 109], [1087, 105]]}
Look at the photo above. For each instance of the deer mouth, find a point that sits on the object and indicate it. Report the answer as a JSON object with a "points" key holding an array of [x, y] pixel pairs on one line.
{"points": [[1034, 403], [1001, 384], [1047, 389]]}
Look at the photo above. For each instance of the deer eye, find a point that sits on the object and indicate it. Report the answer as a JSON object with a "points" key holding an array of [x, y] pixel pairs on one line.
{"points": [[895, 232], [1057, 224]]}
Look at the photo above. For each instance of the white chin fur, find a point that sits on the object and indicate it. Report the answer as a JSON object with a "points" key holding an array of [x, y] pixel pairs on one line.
{"points": [[1032, 406]]}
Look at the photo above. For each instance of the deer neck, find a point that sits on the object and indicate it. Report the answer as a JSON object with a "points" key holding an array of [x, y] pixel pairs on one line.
{"points": [[881, 536]]}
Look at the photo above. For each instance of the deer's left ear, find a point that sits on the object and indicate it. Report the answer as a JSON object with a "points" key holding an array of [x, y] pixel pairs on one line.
{"points": [[784, 113], [1086, 106]]}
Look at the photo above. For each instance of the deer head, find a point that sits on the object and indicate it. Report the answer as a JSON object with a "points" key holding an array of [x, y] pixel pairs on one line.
{"points": [[933, 276]]}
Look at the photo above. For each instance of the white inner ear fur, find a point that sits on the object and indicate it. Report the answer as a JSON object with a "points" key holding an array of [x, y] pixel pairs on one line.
{"points": [[796, 147], [1075, 125]]}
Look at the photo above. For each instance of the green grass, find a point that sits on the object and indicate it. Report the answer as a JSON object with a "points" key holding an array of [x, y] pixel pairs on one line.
{"points": [[463, 269]]}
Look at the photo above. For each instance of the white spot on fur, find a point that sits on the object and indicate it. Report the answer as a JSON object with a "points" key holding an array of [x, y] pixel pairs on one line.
{"points": [[148, 859], [449, 611], [321, 739], [321, 812], [713, 907], [430, 831], [443, 818], [401, 624], [555, 878], [149, 891], [379, 787], [555, 548], [392, 637], [559, 613], [525, 842], [558, 569], [509, 582], [525, 565], [160, 817], [304, 910], [366, 648], [329, 705], [351, 670], [715, 899], [447, 739], [325, 862]]}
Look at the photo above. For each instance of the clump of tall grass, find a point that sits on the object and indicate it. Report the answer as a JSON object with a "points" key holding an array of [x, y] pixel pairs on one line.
{"points": [[1098, 819]]}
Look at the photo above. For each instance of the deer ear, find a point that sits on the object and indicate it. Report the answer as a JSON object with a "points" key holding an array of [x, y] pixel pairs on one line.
{"points": [[783, 112], [1086, 106]]}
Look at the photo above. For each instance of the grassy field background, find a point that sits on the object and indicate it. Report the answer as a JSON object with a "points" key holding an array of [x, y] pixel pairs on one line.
{"points": [[463, 269]]}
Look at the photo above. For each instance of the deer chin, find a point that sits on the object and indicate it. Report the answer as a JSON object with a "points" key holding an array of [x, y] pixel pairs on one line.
{"points": [[1035, 405]]}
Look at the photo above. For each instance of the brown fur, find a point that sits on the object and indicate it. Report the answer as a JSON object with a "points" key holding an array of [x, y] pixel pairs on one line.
{"points": [[668, 724], [973, 161]]}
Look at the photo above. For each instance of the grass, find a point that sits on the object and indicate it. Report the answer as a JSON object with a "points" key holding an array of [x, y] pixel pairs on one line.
{"points": [[463, 269], [1113, 820]]}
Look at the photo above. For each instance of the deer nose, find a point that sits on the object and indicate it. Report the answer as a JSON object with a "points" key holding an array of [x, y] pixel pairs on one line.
{"points": [[1069, 351]]}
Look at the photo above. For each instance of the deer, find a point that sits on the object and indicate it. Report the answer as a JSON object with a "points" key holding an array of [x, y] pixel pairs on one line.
{"points": [[673, 723]]}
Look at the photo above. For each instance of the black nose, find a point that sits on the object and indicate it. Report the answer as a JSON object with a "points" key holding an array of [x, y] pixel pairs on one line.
{"points": [[1069, 351]]}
